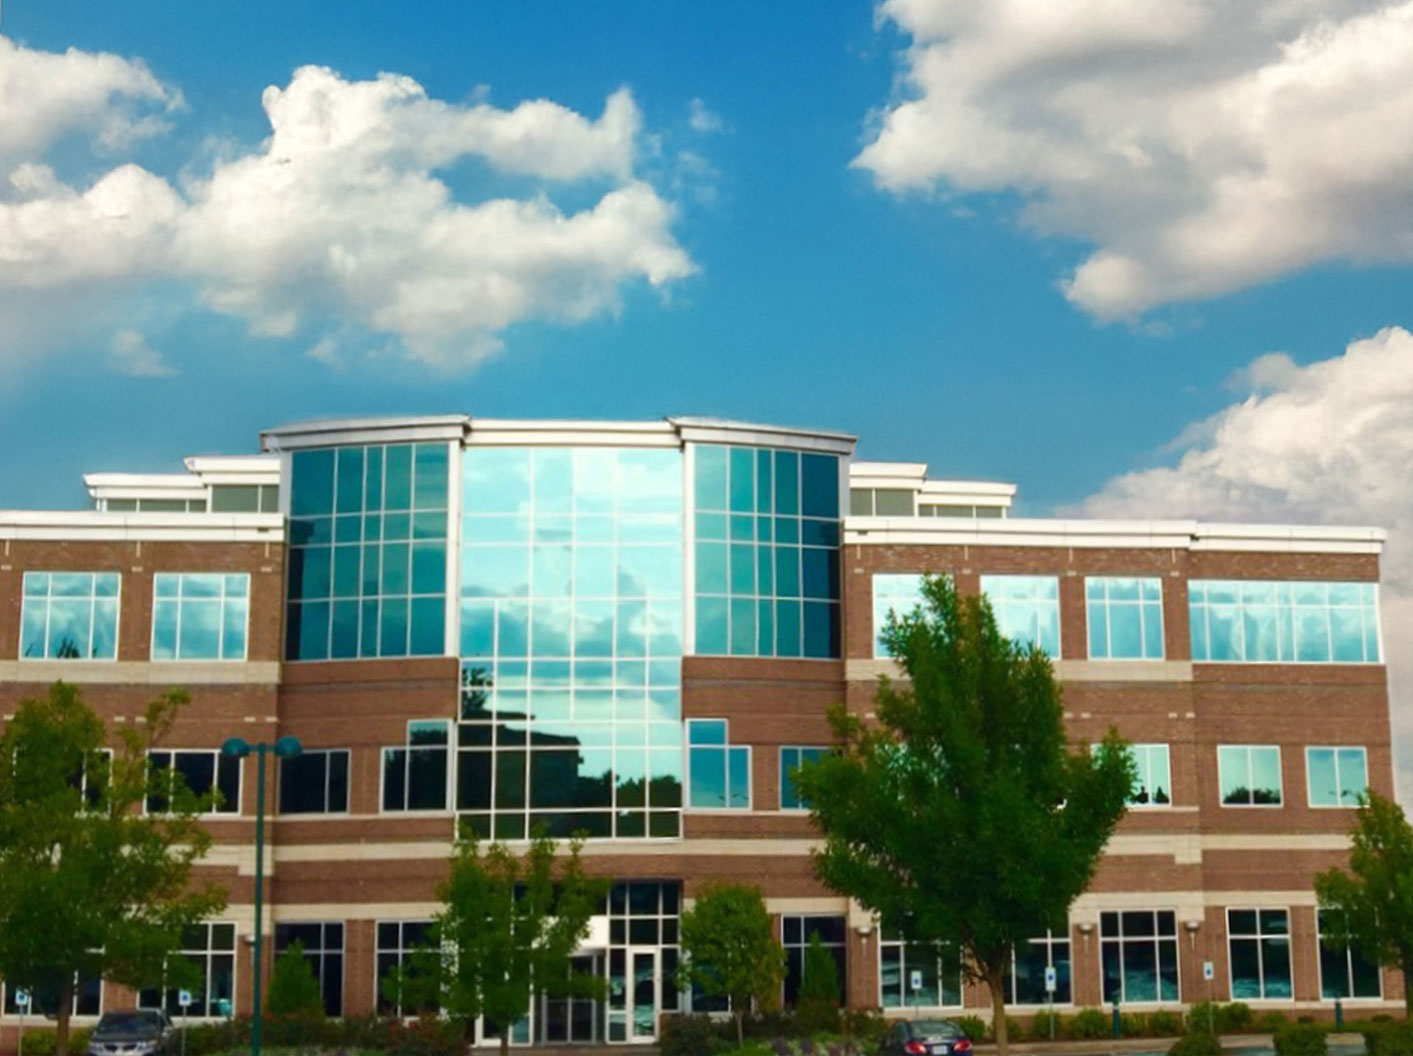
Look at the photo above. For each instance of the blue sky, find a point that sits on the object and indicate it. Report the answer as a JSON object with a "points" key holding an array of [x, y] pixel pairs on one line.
{"points": [[1141, 259]]}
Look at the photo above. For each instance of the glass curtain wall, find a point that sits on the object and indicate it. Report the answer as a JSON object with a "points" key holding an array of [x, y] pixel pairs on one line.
{"points": [[571, 642]]}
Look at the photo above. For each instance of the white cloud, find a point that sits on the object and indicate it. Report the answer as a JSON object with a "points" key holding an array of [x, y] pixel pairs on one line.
{"points": [[1328, 443], [45, 96], [343, 213], [1201, 146], [133, 356], [701, 118]]}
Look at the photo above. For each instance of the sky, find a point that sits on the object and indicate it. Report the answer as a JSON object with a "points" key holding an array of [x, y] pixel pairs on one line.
{"points": [[1140, 259]]}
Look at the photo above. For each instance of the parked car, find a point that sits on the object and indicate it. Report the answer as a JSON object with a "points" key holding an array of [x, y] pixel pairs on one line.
{"points": [[925, 1037], [132, 1033]]}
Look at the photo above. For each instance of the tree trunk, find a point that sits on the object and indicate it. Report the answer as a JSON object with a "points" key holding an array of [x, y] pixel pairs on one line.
{"points": [[995, 980], [505, 1041], [740, 1018], [1407, 965], [61, 1025]]}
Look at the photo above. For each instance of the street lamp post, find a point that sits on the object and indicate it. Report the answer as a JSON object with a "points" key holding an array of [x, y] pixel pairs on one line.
{"points": [[239, 748]]}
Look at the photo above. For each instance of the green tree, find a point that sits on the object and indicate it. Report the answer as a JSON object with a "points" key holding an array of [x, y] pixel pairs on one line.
{"points": [[294, 990], [509, 930], [960, 815], [1373, 902], [89, 883], [817, 1004], [729, 950]]}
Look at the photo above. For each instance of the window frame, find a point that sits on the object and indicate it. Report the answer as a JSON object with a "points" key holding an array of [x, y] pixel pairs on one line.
{"points": [[208, 953], [1156, 939], [407, 747], [1339, 789], [726, 748], [800, 749], [1058, 654], [219, 756], [1348, 955], [1280, 775], [939, 951], [1283, 611], [1049, 941], [179, 600], [876, 649], [348, 786], [1141, 605], [321, 954], [1260, 937], [1149, 747], [92, 597], [395, 1010]]}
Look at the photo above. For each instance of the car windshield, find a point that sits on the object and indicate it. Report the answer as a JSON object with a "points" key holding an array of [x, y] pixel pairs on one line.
{"points": [[935, 1028], [128, 1022]]}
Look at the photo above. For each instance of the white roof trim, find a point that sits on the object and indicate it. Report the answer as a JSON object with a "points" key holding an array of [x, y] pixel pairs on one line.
{"points": [[722, 431], [1178, 535], [336, 431], [485, 432], [91, 525]]}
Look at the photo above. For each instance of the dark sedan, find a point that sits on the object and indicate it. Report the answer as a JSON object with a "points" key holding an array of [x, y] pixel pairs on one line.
{"points": [[925, 1037], [144, 1033]]}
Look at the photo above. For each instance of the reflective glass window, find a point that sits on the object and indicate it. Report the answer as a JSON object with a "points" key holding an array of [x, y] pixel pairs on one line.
{"points": [[1258, 948], [937, 969], [798, 933], [1152, 783], [1125, 617], [69, 616], [321, 943], [368, 552], [718, 772], [209, 950], [395, 941], [1336, 777], [1025, 982], [415, 774], [792, 757], [894, 595], [1284, 622], [189, 775], [1249, 775], [1027, 609], [1139, 955], [315, 782], [1345, 971]]}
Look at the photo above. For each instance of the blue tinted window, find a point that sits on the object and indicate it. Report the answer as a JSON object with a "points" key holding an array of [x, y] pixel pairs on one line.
{"points": [[69, 616], [1125, 618], [791, 759], [311, 483], [1027, 609], [819, 486], [718, 772], [1283, 622], [894, 595], [199, 616]]}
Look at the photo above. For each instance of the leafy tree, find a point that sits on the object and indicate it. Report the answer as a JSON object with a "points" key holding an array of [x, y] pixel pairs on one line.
{"points": [[729, 950], [817, 1004], [88, 882], [509, 930], [1373, 902], [293, 988], [960, 815]]}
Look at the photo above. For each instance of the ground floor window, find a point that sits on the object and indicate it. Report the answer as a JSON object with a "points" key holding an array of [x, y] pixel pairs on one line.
{"points": [[210, 948], [643, 918], [1025, 983], [1139, 955], [88, 998], [397, 940], [797, 932], [1345, 973], [322, 944], [918, 974], [1258, 942]]}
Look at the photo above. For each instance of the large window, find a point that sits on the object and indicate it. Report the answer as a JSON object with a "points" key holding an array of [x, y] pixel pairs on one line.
{"points": [[88, 998], [368, 551], [1337, 777], [415, 774], [642, 913], [1139, 954], [322, 943], [1273, 622], [718, 772], [1025, 983], [797, 933], [1152, 782], [894, 595], [397, 941], [1258, 941], [315, 782], [1344, 971], [937, 971], [191, 774], [1027, 609], [200, 615], [767, 552], [210, 948], [1125, 616], [1249, 775], [69, 616], [792, 757], [571, 642]]}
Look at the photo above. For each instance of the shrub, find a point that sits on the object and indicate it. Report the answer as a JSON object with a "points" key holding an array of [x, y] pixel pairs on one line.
{"points": [[685, 1035], [1235, 1016], [1165, 1023], [973, 1027], [1040, 1025], [293, 987], [765, 1026], [42, 1041], [1199, 1043], [1132, 1024], [1389, 1039], [1301, 1039], [1090, 1023], [1273, 1021], [866, 1024], [1209, 1015]]}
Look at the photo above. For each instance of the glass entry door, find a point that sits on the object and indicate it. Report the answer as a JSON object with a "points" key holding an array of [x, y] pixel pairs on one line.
{"points": [[643, 994]]}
